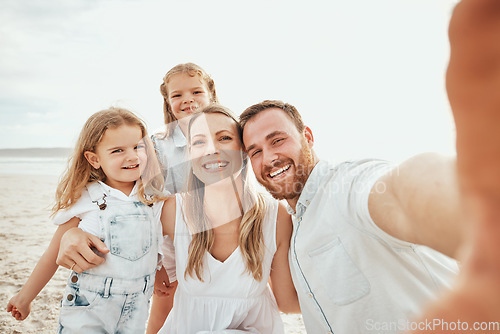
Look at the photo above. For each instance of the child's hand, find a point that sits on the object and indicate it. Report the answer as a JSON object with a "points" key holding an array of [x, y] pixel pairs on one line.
{"points": [[163, 288], [18, 308]]}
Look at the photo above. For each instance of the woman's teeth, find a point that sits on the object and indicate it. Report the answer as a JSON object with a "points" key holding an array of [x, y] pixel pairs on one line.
{"points": [[216, 165]]}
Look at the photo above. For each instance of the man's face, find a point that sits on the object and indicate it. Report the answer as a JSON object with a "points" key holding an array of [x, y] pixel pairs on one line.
{"points": [[281, 156]]}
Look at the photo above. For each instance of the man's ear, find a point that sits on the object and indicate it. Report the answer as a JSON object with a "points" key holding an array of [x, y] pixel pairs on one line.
{"points": [[92, 159], [309, 136]]}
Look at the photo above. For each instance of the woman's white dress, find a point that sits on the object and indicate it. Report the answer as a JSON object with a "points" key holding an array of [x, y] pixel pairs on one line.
{"points": [[229, 300]]}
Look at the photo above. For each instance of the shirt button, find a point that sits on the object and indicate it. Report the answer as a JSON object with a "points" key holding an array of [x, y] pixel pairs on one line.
{"points": [[310, 295], [74, 279], [308, 202], [70, 297]]}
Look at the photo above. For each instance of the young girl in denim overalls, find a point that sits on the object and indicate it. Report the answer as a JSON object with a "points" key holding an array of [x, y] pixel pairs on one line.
{"points": [[110, 190]]}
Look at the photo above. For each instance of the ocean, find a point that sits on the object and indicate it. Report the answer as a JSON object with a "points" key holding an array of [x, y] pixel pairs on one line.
{"points": [[33, 161]]}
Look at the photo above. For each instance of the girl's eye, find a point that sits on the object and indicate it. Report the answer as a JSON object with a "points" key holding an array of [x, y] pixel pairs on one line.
{"points": [[174, 96], [117, 150], [199, 92]]}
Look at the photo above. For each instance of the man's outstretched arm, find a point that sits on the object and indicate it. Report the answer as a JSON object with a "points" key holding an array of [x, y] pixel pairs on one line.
{"points": [[473, 85], [425, 197]]}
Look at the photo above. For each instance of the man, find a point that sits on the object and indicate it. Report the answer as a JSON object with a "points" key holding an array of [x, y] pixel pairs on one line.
{"points": [[355, 255]]}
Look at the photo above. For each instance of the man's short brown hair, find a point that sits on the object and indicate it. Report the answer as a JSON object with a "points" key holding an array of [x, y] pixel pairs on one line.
{"points": [[290, 110]]}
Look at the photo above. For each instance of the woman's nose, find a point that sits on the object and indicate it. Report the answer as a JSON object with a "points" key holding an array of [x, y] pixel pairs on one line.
{"points": [[211, 148]]}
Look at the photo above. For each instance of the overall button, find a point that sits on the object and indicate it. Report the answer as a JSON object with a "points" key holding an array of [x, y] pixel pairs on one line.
{"points": [[74, 279], [70, 297]]}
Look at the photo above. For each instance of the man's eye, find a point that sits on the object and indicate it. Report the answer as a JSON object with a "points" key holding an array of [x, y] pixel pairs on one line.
{"points": [[276, 141], [254, 153]]}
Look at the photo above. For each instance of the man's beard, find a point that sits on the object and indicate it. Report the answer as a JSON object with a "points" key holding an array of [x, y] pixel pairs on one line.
{"points": [[294, 188]]}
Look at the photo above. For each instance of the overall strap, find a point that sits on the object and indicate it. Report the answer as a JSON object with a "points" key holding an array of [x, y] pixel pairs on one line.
{"points": [[97, 195]]}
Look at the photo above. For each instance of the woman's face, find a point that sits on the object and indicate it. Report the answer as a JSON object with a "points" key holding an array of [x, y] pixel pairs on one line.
{"points": [[215, 148]]}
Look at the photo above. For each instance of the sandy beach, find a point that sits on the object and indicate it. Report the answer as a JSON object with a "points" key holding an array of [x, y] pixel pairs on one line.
{"points": [[25, 232]]}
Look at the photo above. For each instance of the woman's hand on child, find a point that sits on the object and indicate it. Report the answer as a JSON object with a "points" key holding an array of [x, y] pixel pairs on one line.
{"points": [[163, 287], [18, 308], [79, 250]]}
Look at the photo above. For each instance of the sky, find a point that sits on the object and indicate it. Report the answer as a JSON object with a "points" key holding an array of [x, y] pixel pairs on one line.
{"points": [[367, 76]]}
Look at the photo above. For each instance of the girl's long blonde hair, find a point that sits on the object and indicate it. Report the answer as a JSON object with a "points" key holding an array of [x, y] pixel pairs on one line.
{"points": [[250, 235], [79, 172], [192, 70]]}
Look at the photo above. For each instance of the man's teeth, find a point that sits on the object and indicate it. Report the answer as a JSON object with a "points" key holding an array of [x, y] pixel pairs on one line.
{"points": [[216, 165], [279, 171]]}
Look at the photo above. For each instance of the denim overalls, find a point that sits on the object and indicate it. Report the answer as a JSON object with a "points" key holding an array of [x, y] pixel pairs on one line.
{"points": [[114, 296]]}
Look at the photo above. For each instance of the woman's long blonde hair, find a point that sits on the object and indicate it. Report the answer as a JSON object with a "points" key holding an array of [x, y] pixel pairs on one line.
{"points": [[250, 236], [79, 172], [192, 70]]}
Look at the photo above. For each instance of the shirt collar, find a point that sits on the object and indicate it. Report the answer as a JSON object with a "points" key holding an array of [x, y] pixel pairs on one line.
{"points": [[178, 137], [310, 188], [112, 192]]}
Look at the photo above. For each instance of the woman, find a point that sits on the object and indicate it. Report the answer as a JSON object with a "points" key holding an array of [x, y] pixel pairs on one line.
{"points": [[229, 239]]}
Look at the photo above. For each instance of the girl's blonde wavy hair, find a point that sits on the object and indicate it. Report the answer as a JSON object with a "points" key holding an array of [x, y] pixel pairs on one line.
{"points": [[79, 172], [192, 70], [250, 236]]}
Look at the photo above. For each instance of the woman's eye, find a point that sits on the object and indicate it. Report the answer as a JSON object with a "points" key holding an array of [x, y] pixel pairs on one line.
{"points": [[225, 138], [197, 142], [140, 147]]}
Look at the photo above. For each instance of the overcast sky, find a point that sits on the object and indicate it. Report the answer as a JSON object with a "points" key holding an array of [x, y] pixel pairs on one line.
{"points": [[367, 75]]}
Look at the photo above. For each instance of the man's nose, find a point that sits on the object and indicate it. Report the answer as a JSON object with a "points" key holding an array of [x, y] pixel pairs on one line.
{"points": [[269, 157]]}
